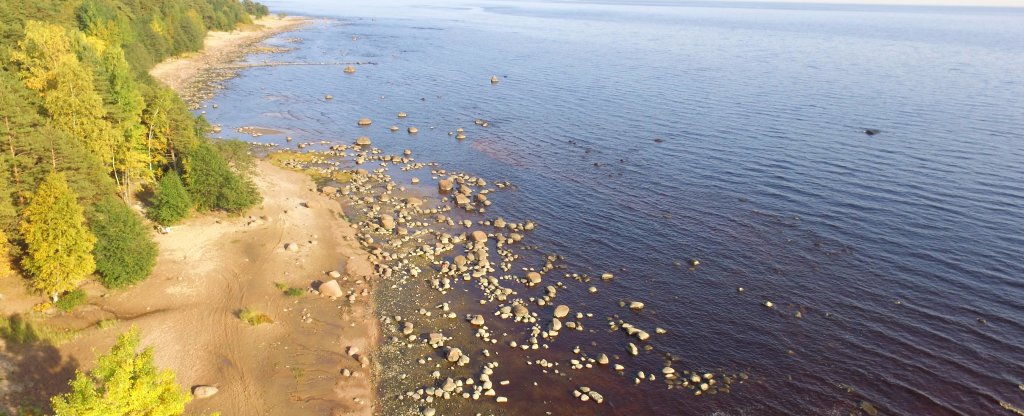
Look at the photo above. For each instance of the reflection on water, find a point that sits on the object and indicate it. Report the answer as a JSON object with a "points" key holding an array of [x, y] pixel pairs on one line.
{"points": [[642, 137]]}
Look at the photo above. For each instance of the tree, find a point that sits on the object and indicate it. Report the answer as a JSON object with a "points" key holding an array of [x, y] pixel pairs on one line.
{"points": [[124, 383], [59, 247], [125, 253], [171, 202], [214, 185], [77, 109], [5, 256], [40, 53]]}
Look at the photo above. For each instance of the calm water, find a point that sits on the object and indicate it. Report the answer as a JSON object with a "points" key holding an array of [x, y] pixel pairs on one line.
{"points": [[903, 251]]}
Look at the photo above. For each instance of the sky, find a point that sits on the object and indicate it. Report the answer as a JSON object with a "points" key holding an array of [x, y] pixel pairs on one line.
{"points": [[1001, 3]]}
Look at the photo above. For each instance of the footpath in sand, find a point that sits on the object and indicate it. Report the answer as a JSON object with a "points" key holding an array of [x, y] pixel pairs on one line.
{"points": [[313, 360], [213, 266]]}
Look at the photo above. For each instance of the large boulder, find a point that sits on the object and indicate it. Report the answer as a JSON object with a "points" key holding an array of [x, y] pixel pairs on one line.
{"points": [[331, 288], [363, 141], [364, 122]]}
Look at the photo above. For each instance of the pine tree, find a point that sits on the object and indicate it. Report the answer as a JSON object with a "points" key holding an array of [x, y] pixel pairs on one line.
{"points": [[59, 247], [171, 202], [125, 253], [213, 185], [124, 383]]}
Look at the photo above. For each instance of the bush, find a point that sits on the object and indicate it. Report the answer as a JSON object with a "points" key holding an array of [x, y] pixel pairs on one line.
{"points": [[125, 254], [124, 382], [171, 202], [214, 186], [292, 292], [71, 300], [254, 317]]}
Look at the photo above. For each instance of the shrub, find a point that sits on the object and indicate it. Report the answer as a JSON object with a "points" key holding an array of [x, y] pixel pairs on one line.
{"points": [[124, 253], [171, 202], [254, 317], [123, 383], [214, 186], [71, 300], [292, 292]]}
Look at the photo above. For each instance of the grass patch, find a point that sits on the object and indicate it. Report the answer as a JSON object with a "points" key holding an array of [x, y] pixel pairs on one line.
{"points": [[71, 300], [17, 329], [292, 292], [106, 323], [280, 159], [298, 373], [254, 317]]}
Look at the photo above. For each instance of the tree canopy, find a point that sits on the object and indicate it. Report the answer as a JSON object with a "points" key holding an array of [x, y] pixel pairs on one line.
{"points": [[58, 244], [124, 383]]}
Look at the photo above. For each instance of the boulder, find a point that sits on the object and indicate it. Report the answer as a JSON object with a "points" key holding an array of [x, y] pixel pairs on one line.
{"points": [[363, 141], [364, 122], [329, 190], [291, 247], [561, 311], [413, 130], [402, 114], [350, 69], [533, 278], [330, 288], [477, 320], [445, 185], [494, 79], [520, 311], [479, 236], [454, 354], [461, 200], [387, 221], [413, 201], [202, 392]]}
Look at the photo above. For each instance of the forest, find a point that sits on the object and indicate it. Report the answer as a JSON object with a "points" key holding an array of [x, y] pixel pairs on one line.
{"points": [[95, 152]]}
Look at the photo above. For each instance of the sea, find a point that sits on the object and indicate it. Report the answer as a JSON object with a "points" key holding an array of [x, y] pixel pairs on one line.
{"points": [[643, 136]]}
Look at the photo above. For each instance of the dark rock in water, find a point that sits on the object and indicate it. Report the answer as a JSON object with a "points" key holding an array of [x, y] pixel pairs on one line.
{"points": [[871, 132], [659, 140], [868, 408]]}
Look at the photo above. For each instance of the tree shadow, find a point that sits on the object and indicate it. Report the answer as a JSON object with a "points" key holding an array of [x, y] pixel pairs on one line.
{"points": [[33, 369]]}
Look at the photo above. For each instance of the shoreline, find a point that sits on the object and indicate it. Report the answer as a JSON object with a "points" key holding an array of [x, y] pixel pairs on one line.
{"points": [[188, 74], [317, 356]]}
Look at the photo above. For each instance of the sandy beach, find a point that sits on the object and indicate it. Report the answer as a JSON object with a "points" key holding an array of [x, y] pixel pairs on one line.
{"points": [[315, 356], [184, 73]]}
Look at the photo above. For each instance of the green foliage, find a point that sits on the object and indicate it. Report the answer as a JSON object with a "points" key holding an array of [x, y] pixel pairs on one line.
{"points": [[124, 382], [70, 300], [18, 330], [292, 292], [5, 256], [214, 185], [125, 254], [59, 246], [171, 202], [236, 153], [254, 317]]}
